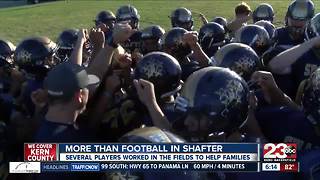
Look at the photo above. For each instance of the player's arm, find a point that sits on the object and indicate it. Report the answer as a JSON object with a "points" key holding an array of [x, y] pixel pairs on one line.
{"points": [[285, 59], [102, 62], [76, 55], [192, 39], [97, 39], [252, 127], [145, 90], [272, 93]]}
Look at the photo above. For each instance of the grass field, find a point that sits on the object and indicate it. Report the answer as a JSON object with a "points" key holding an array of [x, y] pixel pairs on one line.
{"points": [[50, 19]]}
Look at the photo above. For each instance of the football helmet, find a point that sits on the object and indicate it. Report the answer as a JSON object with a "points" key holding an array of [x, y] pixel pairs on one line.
{"points": [[211, 35], [263, 12], [220, 95], [182, 17], [162, 70], [128, 13], [267, 25], [240, 58], [174, 45], [35, 55], [221, 20], [105, 17], [255, 36], [6, 53], [66, 42], [151, 37]]}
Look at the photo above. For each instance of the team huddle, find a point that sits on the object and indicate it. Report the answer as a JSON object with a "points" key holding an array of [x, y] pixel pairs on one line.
{"points": [[233, 81]]}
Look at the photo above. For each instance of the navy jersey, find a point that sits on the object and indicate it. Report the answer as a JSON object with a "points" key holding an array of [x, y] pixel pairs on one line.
{"points": [[134, 42], [309, 164], [284, 81], [58, 132], [304, 67], [282, 37], [189, 68], [283, 124]]}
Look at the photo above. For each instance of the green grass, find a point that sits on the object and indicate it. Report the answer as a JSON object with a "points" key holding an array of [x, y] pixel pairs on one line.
{"points": [[49, 19]]}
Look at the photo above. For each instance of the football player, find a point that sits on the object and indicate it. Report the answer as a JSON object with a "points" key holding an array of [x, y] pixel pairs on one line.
{"points": [[182, 17], [211, 38], [130, 14], [297, 17], [150, 39], [299, 61], [105, 20], [264, 11]]}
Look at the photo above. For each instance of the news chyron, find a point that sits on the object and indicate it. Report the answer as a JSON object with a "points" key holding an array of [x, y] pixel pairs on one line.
{"points": [[106, 157]]}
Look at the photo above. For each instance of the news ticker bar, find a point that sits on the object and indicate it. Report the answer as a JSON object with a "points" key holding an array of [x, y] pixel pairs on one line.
{"points": [[42, 167], [47, 167]]}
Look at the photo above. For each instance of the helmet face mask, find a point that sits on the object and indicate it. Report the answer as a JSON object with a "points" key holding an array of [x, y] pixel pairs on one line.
{"points": [[263, 12], [182, 18], [105, 17], [128, 13], [151, 39], [298, 15]]}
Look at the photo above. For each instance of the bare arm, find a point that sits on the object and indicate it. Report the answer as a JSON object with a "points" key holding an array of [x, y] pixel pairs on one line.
{"points": [[145, 90], [97, 39], [272, 93], [76, 55], [236, 24], [285, 59], [191, 38]]}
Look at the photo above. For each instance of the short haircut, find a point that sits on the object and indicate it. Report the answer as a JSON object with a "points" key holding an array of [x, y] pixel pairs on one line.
{"points": [[242, 8], [54, 100]]}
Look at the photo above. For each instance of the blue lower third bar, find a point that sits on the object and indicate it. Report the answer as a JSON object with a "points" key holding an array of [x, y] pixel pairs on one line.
{"points": [[85, 167], [55, 167]]}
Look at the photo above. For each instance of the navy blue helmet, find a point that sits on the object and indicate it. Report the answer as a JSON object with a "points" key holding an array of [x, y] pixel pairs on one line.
{"points": [[263, 12], [128, 13], [220, 20], [313, 27], [182, 17], [151, 39], [66, 42], [254, 36], [302, 10], [6, 53], [211, 35], [299, 11], [105, 17], [35, 55], [220, 95], [267, 25], [162, 70], [173, 42], [240, 58]]}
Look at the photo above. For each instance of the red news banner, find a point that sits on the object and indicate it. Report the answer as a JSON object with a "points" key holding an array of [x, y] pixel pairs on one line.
{"points": [[40, 152], [280, 157]]}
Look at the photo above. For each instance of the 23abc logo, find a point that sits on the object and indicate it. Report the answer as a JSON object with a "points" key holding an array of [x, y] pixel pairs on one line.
{"points": [[281, 151]]}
